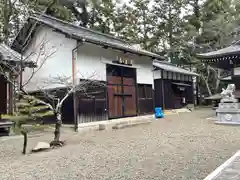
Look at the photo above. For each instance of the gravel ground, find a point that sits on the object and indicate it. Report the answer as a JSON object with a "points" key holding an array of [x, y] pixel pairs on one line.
{"points": [[185, 146]]}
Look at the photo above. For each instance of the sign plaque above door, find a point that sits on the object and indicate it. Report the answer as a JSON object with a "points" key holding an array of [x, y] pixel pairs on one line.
{"points": [[124, 61]]}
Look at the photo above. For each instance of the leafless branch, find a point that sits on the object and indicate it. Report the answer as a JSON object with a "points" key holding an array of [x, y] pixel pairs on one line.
{"points": [[66, 83]]}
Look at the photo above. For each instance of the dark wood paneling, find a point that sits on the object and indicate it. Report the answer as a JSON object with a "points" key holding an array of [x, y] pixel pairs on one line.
{"points": [[145, 99], [172, 96], [114, 80], [3, 95], [91, 110], [115, 102], [158, 93], [92, 106], [130, 101], [145, 106], [128, 81]]}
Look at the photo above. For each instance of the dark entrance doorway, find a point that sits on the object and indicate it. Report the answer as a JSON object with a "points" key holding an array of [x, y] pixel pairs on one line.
{"points": [[121, 91]]}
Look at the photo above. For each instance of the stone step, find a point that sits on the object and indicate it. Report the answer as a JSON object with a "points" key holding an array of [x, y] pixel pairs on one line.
{"points": [[130, 124]]}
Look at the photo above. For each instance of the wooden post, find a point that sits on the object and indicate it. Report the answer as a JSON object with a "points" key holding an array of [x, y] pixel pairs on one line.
{"points": [[163, 96], [10, 98], [75, 98], [75, 106]]}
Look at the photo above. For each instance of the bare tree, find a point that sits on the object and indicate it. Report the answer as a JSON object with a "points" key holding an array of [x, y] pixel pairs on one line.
{"points": [[55, 97], [13, 73], [12, 66]]}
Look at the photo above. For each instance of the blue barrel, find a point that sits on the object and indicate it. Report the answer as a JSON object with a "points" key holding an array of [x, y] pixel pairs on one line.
{"points": [[158, 112]]}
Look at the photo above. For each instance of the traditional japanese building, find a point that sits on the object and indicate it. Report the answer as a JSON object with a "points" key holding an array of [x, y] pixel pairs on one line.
{"points": [[87, 55], [126, 71], [175, 87], [228, 60], [9, 60]]}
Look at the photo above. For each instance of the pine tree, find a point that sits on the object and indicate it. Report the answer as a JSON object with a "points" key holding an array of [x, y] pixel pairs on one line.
{"points": [[168, 14], [102, 16]]}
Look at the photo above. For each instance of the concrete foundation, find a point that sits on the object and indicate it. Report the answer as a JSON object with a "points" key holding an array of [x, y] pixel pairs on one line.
{"points": [[228, 113]]}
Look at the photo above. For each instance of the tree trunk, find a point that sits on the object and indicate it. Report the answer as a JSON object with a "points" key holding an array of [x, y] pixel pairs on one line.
{"points": [[56, 141], [7, 15], [208, 88], [57, 127], [24, 133], [217, 80]]}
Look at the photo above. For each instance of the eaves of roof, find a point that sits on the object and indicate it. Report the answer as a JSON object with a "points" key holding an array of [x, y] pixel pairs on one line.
{"points": [[171, 68], [231, 50], [13, 57], [91, 36]]}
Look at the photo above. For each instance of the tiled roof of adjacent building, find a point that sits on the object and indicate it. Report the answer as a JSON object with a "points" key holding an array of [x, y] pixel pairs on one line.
{"points": [[7, 54], [91, 36], [172, 68], [233, 49], [10, 56]]}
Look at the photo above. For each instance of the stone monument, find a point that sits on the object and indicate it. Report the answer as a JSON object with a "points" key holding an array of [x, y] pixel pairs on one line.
{"points": [[228, 111]]}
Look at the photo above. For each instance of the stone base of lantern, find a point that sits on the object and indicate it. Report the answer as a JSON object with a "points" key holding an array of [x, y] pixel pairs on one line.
{"points": [[228, 113]]}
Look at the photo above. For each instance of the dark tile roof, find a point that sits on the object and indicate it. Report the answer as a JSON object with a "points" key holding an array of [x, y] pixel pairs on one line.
{"points": [[7, 54], [91, 36], [172, 68], [13, 57], [233, 49]]}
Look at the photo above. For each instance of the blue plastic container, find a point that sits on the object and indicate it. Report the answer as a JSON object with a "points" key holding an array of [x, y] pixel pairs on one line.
{"points": [[158, 112]]}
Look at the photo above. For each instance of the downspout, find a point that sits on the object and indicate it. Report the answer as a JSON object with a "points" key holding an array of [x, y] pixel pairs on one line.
{"points": [[75, 104]]}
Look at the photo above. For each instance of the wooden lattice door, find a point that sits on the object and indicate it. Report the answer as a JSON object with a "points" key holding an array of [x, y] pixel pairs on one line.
{"points": [[121, 91]]}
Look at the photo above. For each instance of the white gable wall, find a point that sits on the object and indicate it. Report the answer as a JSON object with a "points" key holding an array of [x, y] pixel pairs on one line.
{"points": [[90, 60], [58, 64]]}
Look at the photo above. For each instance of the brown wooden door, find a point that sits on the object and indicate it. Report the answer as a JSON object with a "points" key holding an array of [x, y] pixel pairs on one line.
{"points": [[115, 102], [121, 93], [130, 101]]}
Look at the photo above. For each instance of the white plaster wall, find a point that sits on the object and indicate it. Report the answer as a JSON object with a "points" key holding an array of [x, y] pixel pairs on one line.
{"points": [[53, 59], [91, 62], [157, 74], [236, 71], [144, 70]]}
